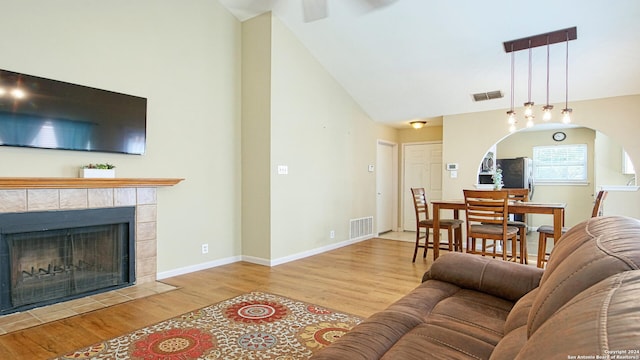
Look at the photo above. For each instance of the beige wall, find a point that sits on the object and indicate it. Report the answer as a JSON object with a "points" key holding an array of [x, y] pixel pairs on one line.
{"points": [[609, 162], [328, 182], [184, 57], [256, 137], [462, 143], [609, 174], [428, 133]]}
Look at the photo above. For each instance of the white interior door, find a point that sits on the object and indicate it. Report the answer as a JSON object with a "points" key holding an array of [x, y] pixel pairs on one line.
{"points": [[385, 187], [422, 167]]}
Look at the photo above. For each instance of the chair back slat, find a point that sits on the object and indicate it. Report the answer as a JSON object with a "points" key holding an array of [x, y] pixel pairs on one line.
{"points": [[421, 207], [420, 203], [518, 194], [597, 205], [487, 213], [486, 206]]}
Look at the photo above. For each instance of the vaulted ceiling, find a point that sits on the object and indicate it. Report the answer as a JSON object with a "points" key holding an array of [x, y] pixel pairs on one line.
{"points": [[417, 59]]}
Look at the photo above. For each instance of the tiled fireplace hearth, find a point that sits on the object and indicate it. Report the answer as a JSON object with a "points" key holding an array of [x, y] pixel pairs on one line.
{"points": [[19, 195]]}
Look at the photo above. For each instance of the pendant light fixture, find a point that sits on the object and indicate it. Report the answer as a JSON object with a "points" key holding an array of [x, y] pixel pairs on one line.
{"points": [[546, 110], [512, 114], [528, 106], [528, 43], [566, 112]]}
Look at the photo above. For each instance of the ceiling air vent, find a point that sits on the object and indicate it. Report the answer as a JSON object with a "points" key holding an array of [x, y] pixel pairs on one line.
{"points": [[488, 95]]}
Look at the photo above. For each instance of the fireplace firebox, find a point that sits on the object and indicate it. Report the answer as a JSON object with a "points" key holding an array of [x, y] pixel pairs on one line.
{"points": [[52, 256]]}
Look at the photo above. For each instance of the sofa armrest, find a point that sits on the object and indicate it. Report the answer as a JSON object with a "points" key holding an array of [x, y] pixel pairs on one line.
{"points": [[500, 278]]}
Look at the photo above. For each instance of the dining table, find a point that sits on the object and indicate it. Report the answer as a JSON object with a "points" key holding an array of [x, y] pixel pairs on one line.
{"points": [[515, 207]]}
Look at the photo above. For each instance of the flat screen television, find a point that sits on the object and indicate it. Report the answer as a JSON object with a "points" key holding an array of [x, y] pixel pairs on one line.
{"points": [[43, 113]]}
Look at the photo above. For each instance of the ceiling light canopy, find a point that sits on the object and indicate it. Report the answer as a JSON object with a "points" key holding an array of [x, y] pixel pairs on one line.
{"points": [[528, 43], [419, 124]]}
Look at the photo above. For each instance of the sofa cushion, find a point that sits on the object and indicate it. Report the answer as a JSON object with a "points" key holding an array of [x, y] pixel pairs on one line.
{"points": [[520, 313], [602, 319], [473, 313], [515, 329], [510, 345], [586, 254], [421, 300], [436, 316], [465, 325], [428, 341], [485, 274], [373, 337]]}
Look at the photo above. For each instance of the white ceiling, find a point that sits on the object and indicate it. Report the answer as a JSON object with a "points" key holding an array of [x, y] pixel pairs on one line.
{"points": [[419, 59]]}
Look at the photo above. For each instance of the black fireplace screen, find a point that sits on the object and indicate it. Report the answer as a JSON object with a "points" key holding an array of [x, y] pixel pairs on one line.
{"points": [[46, 257], [60, 263]]}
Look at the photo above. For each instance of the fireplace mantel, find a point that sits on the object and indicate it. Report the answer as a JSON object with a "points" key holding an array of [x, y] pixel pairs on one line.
{"points": [[83, 183]]}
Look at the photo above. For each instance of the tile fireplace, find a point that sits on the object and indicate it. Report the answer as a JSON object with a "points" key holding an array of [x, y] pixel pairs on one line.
{"points": [[52, 256], [32, 194]]}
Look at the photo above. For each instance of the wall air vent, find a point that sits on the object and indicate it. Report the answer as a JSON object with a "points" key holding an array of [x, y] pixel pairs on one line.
{"points": [[488, 95], [361, 228]]}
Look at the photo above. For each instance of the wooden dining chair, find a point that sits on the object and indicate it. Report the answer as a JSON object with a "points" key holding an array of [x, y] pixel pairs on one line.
{"points": [[520, 194], [546, 231], [487, 213], [423, 221]]}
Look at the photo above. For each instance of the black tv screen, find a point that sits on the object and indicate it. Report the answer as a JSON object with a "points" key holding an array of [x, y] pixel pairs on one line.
{"points": [[44, 113]]}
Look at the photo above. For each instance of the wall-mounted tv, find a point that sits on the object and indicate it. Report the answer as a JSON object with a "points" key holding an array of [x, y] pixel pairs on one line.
{"points": [[51, 114]]}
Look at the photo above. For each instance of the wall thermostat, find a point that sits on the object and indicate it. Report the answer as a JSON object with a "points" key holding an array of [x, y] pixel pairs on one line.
{"points": [[452, 166]]}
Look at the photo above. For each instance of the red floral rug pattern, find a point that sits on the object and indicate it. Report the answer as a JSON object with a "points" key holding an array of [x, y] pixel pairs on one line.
{"points": [[250, 326]]}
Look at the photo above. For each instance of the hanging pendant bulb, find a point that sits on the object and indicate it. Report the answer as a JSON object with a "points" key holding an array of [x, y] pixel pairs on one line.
{"points": [[546, 111], [566, 115], [566, 112], [528, 110], [530, 122], [528, 106]]}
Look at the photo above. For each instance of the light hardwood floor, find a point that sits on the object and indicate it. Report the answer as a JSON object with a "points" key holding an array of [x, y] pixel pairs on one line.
{"points": [[359, 279]]}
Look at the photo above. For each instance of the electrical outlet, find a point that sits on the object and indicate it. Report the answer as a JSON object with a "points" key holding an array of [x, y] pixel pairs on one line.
{"points": [[332, 234], [205, 248], [283, 169]]}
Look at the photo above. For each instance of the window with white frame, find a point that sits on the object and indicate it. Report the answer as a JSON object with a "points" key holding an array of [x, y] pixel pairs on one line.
{"points": [[560, 163]]}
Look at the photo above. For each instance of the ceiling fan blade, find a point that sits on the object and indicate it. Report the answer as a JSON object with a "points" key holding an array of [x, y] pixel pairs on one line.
{"points": [[362, 7], [372, 5], [314, 10], [380, 3]]}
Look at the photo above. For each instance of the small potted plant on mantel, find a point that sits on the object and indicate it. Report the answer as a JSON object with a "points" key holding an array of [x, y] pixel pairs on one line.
{"points": [[98, 171]]}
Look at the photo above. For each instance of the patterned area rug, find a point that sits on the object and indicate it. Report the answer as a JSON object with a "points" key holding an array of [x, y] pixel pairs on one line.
{"points": [[250, 326]]}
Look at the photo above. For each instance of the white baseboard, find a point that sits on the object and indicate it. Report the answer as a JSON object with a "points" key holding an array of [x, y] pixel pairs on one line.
{"points": [[197, 267], [304, 254], [256, 260]]}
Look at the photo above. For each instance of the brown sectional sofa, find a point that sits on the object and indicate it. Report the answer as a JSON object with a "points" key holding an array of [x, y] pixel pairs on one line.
{"points": [[586, 304]]}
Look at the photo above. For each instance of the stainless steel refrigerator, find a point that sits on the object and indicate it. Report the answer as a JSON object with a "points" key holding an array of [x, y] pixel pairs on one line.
{"points": [[517, 173]]}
